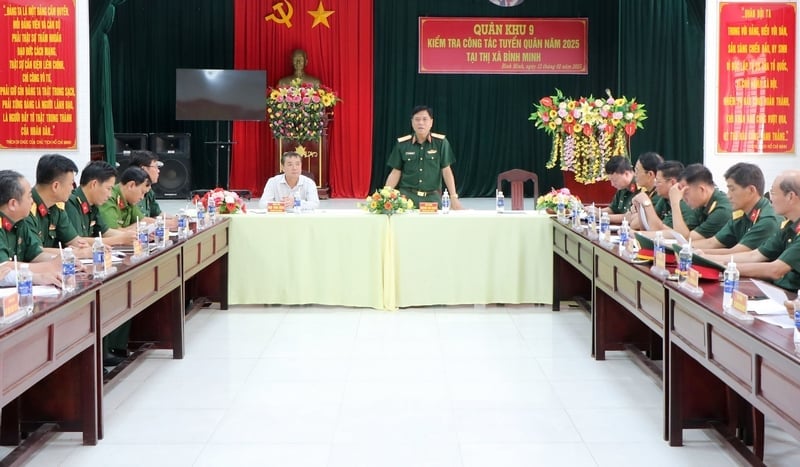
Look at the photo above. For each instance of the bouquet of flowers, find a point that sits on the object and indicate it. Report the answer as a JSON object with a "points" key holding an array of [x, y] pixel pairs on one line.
{"points": [[387, 201], [550, 200], [299, 112], [227, 202], [587, 131]]}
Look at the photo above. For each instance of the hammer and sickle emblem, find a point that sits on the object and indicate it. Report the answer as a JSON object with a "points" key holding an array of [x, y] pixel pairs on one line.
{"points": [[282, 17]]}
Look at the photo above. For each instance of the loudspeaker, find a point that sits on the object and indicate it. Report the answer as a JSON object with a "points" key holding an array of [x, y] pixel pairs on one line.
{"points": [[174, 150], [124, 143]]}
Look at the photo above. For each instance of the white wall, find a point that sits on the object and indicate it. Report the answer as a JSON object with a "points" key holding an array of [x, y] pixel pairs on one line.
{"points": [[771, 164], [24, 160]]}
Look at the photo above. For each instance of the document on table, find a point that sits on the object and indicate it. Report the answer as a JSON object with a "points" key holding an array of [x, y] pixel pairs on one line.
{"points": [[778, 320]]}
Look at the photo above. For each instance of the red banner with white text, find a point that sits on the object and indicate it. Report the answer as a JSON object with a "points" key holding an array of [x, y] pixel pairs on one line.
{"points": [[504, 45], [37, 86], [756, 77]]}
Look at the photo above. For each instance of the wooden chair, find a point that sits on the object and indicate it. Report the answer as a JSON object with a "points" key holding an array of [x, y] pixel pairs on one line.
{"points": [[517, 179]]}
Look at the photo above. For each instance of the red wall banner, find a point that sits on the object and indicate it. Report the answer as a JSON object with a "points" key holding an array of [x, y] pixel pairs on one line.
{"points": [[533, 46], [37, 86], [756, 78]]}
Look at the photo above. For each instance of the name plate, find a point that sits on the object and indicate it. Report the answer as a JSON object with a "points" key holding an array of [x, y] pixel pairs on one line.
{"points": [[276, 207], [428, 207], [10, 304], [693, 279], [661, 259], [739, 301]]}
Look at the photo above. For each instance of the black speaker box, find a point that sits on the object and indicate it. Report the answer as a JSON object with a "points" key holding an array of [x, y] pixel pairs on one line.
{"points": [[174, 181], [124, 143]]}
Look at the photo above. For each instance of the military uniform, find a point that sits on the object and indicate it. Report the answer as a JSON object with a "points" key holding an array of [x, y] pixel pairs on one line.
{"points": [[621, 202], [85, 218], [50, 225], [148, 205], [785, 246], [714, 215], [421, 164], [117, 213], [18, 239], [751, 229], [664, 211]]}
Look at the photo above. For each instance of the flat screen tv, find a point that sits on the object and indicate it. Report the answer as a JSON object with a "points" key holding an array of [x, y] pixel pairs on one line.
{"points": [[220, 94]]}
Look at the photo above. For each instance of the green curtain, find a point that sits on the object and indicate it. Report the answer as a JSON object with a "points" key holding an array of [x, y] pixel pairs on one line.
{"points": [[101, 14], [152, 38], [662, 56], [485, 117]]}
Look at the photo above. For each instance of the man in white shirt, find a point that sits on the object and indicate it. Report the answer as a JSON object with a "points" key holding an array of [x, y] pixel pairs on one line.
{"points": [[291, 185]]}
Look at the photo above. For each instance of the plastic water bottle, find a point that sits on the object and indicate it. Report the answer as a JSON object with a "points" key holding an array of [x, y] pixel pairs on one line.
{"points": [[500, 201], [212, 212], [624, 236], [297, 204], [160, 234], [797, 323], [561, 210], [201, 216], [98, 259], [684, 262], [445, 202], [730, 284], [590, 219], [141, 233], [576, 214], [68, 282], [183, 226], [659, 249], [25, 288], [605, 226]]}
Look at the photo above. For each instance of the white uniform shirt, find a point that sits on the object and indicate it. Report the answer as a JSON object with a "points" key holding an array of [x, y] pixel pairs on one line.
{"points": [[277, 189]]}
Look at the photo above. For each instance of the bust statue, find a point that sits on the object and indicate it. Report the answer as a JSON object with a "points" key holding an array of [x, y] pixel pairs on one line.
{"points": [[299, 61]]}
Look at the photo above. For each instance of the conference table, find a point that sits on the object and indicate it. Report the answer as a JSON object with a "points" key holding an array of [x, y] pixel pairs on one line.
{"points": [[51, 373], [357, 259], [717, 371]]}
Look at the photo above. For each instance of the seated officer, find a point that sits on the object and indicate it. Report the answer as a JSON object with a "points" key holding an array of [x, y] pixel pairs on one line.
{"points": [[645, 173], [777, 260], [754, 220], [55, 178], [17, 237], [711, 207], [620, 174], [148, 161], [97, 182], [659, 213], [120, 210]]}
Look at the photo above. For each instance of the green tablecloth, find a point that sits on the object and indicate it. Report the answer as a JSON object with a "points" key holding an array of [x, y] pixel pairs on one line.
{"points": [[356, 259]]}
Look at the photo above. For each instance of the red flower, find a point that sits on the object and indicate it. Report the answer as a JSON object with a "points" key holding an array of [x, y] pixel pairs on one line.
{"points": [[630, 128], [546, 101], [634, 105], [387, 205], [568, 129], [587, 129]]}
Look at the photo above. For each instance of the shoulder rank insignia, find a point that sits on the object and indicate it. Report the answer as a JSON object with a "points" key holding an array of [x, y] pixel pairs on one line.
{"points": [[120, 202], [785, 223], [7, 225], [42, 210], [437, 135], [403, 138], [60, 205], [33, 209], [737, 214], [713, 206], [85, 207], [754, 215]]}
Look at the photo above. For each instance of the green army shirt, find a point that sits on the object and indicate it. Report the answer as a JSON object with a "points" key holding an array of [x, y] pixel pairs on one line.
{"points": [[421, 163], [785, 246], [148, 205], [51, 225], [751, 229], [18, 239], [664, 211], [621, 202], [117, 212], [714, 215], [85, 218]]}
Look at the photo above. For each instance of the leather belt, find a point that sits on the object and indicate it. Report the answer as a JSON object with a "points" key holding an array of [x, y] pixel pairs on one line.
{"points": [[426, 193]]}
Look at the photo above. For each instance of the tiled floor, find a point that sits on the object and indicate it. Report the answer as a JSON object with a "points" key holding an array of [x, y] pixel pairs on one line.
{"points": [[310, 386]]}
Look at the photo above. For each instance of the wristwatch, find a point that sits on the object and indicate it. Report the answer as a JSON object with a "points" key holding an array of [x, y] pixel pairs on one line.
{"points": [[647, 203], [454, 196]]}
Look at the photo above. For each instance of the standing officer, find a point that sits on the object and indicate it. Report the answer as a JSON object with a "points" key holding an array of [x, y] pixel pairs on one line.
{"points": [[421, 160]]}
